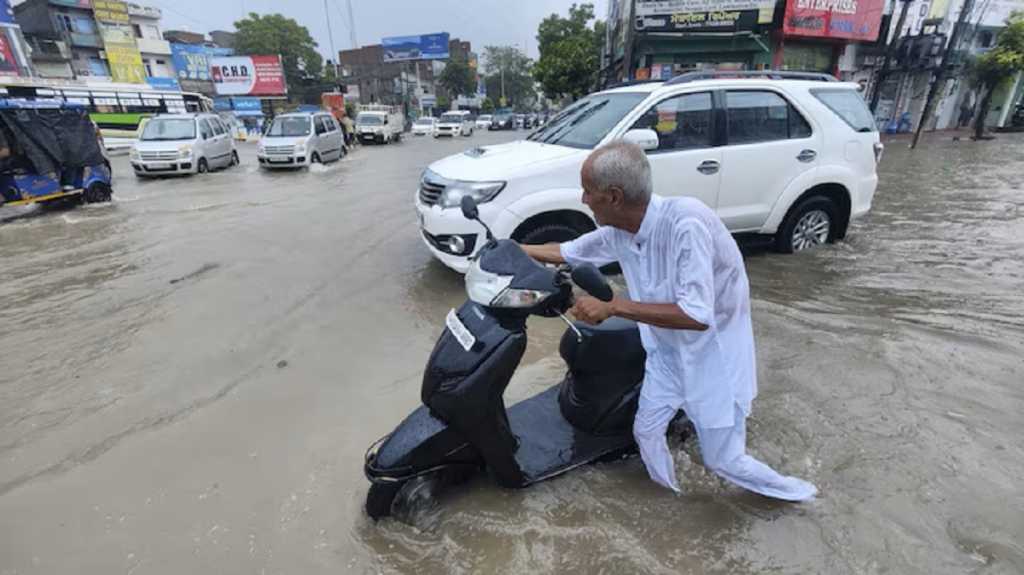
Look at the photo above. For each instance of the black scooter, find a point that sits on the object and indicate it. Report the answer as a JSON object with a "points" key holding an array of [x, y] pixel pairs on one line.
{"points": [[464, 426]]}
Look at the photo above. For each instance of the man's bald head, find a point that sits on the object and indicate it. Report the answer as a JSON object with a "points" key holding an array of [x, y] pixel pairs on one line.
{"points": [[619, 165]]}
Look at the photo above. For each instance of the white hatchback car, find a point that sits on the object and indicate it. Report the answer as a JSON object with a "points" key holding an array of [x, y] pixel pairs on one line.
{"points": [[183, 144], [788, 155], [425, 126], [299, 139], [483, 121]]}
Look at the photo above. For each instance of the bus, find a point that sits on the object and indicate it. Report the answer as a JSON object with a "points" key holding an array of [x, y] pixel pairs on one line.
{"points": [[118, 109]]}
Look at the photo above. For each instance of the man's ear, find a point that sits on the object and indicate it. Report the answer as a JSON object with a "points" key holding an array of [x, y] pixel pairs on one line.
{"points": [[616, 197]]}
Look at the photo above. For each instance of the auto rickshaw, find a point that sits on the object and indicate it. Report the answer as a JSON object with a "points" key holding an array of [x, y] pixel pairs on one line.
{"points": [[49, 152]]}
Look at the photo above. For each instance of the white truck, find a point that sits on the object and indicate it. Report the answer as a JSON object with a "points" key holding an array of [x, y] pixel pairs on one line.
{"points": [[379, 123]]}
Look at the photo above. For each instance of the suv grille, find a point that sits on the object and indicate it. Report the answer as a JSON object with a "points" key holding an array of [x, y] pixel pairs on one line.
{"points": [[431, 188]]}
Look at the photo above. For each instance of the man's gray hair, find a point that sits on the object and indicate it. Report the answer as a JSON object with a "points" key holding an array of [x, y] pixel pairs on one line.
{"points": [[624, 165]]}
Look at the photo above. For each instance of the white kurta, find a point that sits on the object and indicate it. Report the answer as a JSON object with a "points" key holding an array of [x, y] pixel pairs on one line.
{"points": [[684, 254]]}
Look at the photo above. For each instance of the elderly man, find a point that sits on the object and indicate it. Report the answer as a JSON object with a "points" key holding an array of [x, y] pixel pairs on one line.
{"points": [[688, 291]]}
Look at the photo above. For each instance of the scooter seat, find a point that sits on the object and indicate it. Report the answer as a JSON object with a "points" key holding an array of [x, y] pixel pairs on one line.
{"points": [[610, 345]]}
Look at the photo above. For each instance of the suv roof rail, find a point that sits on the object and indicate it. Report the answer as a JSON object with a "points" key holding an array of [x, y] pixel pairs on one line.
{"points": [[769, 74]]}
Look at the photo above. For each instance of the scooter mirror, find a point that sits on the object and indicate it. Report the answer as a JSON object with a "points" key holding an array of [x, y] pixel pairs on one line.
{"points": [[469, 209], [591, 280]]}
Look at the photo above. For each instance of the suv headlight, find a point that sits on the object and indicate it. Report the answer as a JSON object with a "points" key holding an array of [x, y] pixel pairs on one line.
{"points": [[300, 148], [133, 154], [491, 290], [479, 191], [184, 151]]}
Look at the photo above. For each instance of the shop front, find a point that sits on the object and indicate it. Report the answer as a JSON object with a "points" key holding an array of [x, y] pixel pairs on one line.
{"points": [[815, 34]]}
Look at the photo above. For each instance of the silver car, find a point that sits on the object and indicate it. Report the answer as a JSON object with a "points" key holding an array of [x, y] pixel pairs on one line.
{"points": [[300, 139]]}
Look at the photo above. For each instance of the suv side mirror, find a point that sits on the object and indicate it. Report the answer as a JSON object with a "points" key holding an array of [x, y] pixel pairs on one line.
{"points": [[647, 139], [591, 280]]}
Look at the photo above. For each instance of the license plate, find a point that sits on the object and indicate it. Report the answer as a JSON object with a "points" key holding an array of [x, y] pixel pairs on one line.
{"points": [[159, 166], [278, 160], [459, 330]]}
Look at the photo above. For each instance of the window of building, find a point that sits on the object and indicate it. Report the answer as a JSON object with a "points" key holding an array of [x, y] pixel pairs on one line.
{"points": [[985, 39], [98, 67], [64, 23], [84, 25], [138, 30], [682, 122], [756, 116], [149, 68]]}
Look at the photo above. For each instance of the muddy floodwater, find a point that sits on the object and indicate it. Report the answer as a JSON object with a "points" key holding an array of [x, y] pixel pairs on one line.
{"points": [[189, 378]]}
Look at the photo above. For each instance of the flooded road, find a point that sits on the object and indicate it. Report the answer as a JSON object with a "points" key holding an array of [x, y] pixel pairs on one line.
{"points": [[189, 378]]}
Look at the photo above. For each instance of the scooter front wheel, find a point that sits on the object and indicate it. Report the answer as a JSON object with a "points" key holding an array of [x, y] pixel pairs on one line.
{"points": [[380, 499]]}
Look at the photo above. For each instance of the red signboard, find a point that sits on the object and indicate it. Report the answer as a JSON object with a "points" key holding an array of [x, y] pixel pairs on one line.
{"points": [[248, 76], [846, 19]]}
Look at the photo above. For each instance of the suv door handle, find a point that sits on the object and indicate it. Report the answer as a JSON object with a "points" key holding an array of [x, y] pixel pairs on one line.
{"points": [[709, 167], [807, 156]]}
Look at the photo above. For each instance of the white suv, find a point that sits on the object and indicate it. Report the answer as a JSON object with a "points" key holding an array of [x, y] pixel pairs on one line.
{"points": [[792, 155]]}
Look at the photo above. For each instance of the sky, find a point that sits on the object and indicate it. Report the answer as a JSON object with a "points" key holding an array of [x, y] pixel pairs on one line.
{"points": [[482, 22]]}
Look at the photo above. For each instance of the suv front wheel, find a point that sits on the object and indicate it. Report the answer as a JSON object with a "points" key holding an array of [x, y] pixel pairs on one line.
{"points": [[811, 223]]}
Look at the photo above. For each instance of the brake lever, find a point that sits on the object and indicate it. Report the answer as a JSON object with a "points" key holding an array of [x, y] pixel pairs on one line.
{"points": [[572, 326]]}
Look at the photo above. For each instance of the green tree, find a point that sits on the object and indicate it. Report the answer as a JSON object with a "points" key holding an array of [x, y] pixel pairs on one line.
{"points": [[275, 34], [998, 65], [570, 53], [458, 78], [487, 106], [508, 73]]}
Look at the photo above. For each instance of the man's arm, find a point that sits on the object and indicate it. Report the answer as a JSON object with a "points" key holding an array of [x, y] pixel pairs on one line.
{"points": [[666, 315], [545, 253]]}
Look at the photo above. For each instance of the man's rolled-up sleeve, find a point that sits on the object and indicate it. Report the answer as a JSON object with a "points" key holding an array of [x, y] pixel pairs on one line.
{"points": [[695, 280], [596, 247]]}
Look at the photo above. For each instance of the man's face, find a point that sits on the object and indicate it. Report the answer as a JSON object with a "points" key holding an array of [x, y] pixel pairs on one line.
{"points": [[599, 201]]}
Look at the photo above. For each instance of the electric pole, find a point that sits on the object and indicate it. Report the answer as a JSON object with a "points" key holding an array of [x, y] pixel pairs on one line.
{"points": [[890, 46], [330, 35], [352, 27], [628, 54], [940, 78]]}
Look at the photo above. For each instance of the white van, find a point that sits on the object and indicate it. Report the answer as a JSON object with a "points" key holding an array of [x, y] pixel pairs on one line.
{"points": [[300, 139], [787, 155], [183, 144], [456, 123], [379, 123]]}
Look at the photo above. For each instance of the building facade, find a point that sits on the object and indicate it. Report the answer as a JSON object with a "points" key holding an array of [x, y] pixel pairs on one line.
{"points": [[369, 79], [156, 52], [68, 38]]}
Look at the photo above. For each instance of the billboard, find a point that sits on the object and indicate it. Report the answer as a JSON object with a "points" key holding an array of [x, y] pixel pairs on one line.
{"points": [[6, 14], [848, 19], [702, 15], [192, 62], [425, 47], [248, 76], [122, 52]]}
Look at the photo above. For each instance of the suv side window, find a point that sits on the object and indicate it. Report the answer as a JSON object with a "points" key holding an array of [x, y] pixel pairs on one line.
{"points": [[682, 123], [762, 116], [205, 129]]}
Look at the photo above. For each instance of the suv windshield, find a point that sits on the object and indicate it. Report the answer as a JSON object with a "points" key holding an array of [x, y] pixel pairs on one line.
{"points": [[587, 122], [452, 118], [169, 129], [368, 120], [289, 127]]}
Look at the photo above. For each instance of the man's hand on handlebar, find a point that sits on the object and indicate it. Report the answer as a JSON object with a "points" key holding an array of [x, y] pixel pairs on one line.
{"points": [[592, 310], [545, 253]]}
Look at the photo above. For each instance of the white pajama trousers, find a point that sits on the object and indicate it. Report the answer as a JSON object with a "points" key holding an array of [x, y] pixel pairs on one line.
{"points": [[723, 450]]}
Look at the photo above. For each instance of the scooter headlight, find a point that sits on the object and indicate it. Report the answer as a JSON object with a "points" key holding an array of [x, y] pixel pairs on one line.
{"points": [[492, 290]]}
